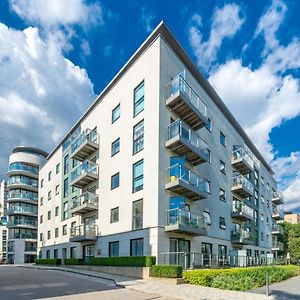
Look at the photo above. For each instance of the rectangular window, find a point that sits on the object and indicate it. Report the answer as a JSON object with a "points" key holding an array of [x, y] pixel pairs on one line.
{"points": [[206, 215], [48, 254], [114, 215], [138, 137], [138, 99], [49, 176], [262, 199], [55, 253], [49, 235], [115, 181], [115, 114], [115, 147], [222, 250], [56, 232], [65, 230], [49, 214], [137, 247], [138, 176], [262, 181], [57, 190], [256, 217], [262, 217], [74, 163], [41, 237], [256, 177], [66, 187], [222, 167], [49, 195], [73, 224], [222, 223], [65, 215], [137, 214], [41, 201], [113, 248], [222, 139], [268, 186], [209, 155], [42, 183], [66, 164], [57, 169], [208, 125], [222, 195], [41, 219], [56, 211], [262, 236], [73, 252]]}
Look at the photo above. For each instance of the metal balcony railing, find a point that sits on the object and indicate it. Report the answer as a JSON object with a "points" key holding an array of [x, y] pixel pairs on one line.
{"points": [[84, 232], [241, 182], [85, 198], [239, 207]]}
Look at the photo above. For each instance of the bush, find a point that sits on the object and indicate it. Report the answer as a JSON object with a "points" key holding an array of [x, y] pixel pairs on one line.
{"points": [[129, 261], [48, 261], [73, 261], [240, 279], [166, 271]]}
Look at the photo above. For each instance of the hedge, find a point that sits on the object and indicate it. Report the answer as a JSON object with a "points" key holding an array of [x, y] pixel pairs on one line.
{"points": [[240, 279], [130, 261], [73, 261], [166, 271], [48, 261]]}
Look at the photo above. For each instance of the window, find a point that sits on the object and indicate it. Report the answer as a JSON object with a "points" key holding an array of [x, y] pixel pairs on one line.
{"points": [[41, 219], [206, 215], [222, 139], [267, 219], [73, 252], [222, 249], [137, 214], [138, 99], [256, 177], [57, 190], [41, 237], [262, 236], [57, 169], [73, 224], [222, 167], [268, 186], [114, 215], [115, 147], [262, 199], [56, 232], [138, 137], [115, 181], [49, 235], [209, 156], [113, 248], [256, 217], [64, 230], [48, 254], [222, 223], [138, 176], [137, 247], [262, 181], [66, 164], [115, 114], [41, 201], [208, 125], [222, 195], [55, 253], [262, 217], [49, 214], [42, 183], [65, 215], [66, 187], [56, 211], [49, 176], [49, 195]]}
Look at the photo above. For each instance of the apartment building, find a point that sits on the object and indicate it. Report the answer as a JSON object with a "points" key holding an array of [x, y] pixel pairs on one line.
{"points": [[157, 165], [292, 218], [22, 198], [3, 220]]}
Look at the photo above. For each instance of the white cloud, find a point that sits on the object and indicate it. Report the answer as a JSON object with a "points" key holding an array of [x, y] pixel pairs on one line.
{"points": [[146, 19], [41, 92], [226, 21]]}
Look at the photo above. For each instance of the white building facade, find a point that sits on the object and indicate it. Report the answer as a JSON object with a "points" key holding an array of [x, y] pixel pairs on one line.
{"points": [[156, 166]]}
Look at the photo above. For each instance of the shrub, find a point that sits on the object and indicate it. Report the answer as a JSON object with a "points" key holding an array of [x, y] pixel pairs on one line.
{"points": [[73, 261], [166, 271], [129, 261], [240, 279], [48, 261]]}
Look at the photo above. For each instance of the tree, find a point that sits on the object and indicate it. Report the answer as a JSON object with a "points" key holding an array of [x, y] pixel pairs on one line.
{"points": [[291, 240], [294, 248]]}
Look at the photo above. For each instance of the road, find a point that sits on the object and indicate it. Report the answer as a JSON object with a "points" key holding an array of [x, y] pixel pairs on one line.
{"points": [[18, 283]]}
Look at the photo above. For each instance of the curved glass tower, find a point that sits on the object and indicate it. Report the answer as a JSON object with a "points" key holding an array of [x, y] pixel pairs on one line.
{"points": [[22, 198]]}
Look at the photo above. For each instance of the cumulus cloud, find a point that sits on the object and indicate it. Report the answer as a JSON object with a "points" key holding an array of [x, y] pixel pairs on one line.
{"points": [[146, 19], [41, 92], [226, 21]]}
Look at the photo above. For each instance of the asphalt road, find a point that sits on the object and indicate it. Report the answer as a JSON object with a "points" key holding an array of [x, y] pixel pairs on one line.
{"points": [[18, 283]]}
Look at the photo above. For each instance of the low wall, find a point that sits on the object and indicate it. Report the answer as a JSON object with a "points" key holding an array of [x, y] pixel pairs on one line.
{"points": [[136, 272]]}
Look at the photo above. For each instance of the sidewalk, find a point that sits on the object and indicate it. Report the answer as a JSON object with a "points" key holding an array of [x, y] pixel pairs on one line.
{"points": [[182, 291]]}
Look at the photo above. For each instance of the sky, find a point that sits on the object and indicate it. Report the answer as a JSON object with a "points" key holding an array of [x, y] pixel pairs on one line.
{"points": [[56, 57]]}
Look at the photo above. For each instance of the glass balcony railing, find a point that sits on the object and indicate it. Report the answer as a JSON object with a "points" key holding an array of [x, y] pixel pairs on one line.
{"points": [[22, 209], [22, 181], [22, 222], [178, 84], [277, 197], [239, 207], [240, 235], [85, 198], [84, 232], [277, 213], [179, 128], [178, 216], [240, 153], [277, 245], [18, 166], [25, 196], [85, 167], [242, 182], [84, 137], [180, 172], [30, 248], [277, 228]]}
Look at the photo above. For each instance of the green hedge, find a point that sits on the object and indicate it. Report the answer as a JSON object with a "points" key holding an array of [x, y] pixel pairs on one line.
{"points": [[48, 261], [240, 279], [73, 261], [130, 261], [166, 271]]}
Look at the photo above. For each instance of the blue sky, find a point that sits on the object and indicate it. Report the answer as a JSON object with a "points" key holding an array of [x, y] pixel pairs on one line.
{"points": [[56, 56]]}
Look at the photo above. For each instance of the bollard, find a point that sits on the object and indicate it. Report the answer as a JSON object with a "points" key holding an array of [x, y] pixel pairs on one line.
{"points": [[267, 284]]}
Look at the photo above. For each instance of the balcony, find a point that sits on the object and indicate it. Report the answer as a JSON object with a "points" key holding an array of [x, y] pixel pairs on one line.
{"points": [[242, 237], [277, 198], [186, 103], [84, 233], [277, 246], [186, 183], [86, 203], [17, 182], [22, 223], [84, 174], [84, 145], [241, 211], [183, 141], [241, 161], [277, 213], [26, 197], [23, 210], [277, 230], [182, 221], [19, 168], [241, 186]]}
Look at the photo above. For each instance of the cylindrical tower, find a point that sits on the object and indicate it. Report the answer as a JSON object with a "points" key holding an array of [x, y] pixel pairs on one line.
{"points": [[22, 198]]}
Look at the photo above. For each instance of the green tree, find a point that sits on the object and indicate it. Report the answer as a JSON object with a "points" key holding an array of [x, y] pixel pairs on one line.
{"points": [[294, 248], [291, 240]]}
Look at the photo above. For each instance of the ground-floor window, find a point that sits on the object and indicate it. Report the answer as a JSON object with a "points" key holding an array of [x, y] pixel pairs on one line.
{"points": [[222, 250], [88, 252], [48, 254], [137, 247], [113, 248], [55, 253], [73, 252], [29, 258]]}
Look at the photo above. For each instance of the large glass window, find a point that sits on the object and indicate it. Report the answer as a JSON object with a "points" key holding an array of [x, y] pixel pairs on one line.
{"points": [[73, 252], [137, 214], [208, 125], [222, 223], [66, 187], [115, 181], [222, 138], [222, 250], [65, 212], [139, 99], [222, 195], [66, 164], [137, 247], [64, 230], [138, 176], [138, 137], [115, 114], [115, 147], [114, 215], [113, 248]]}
